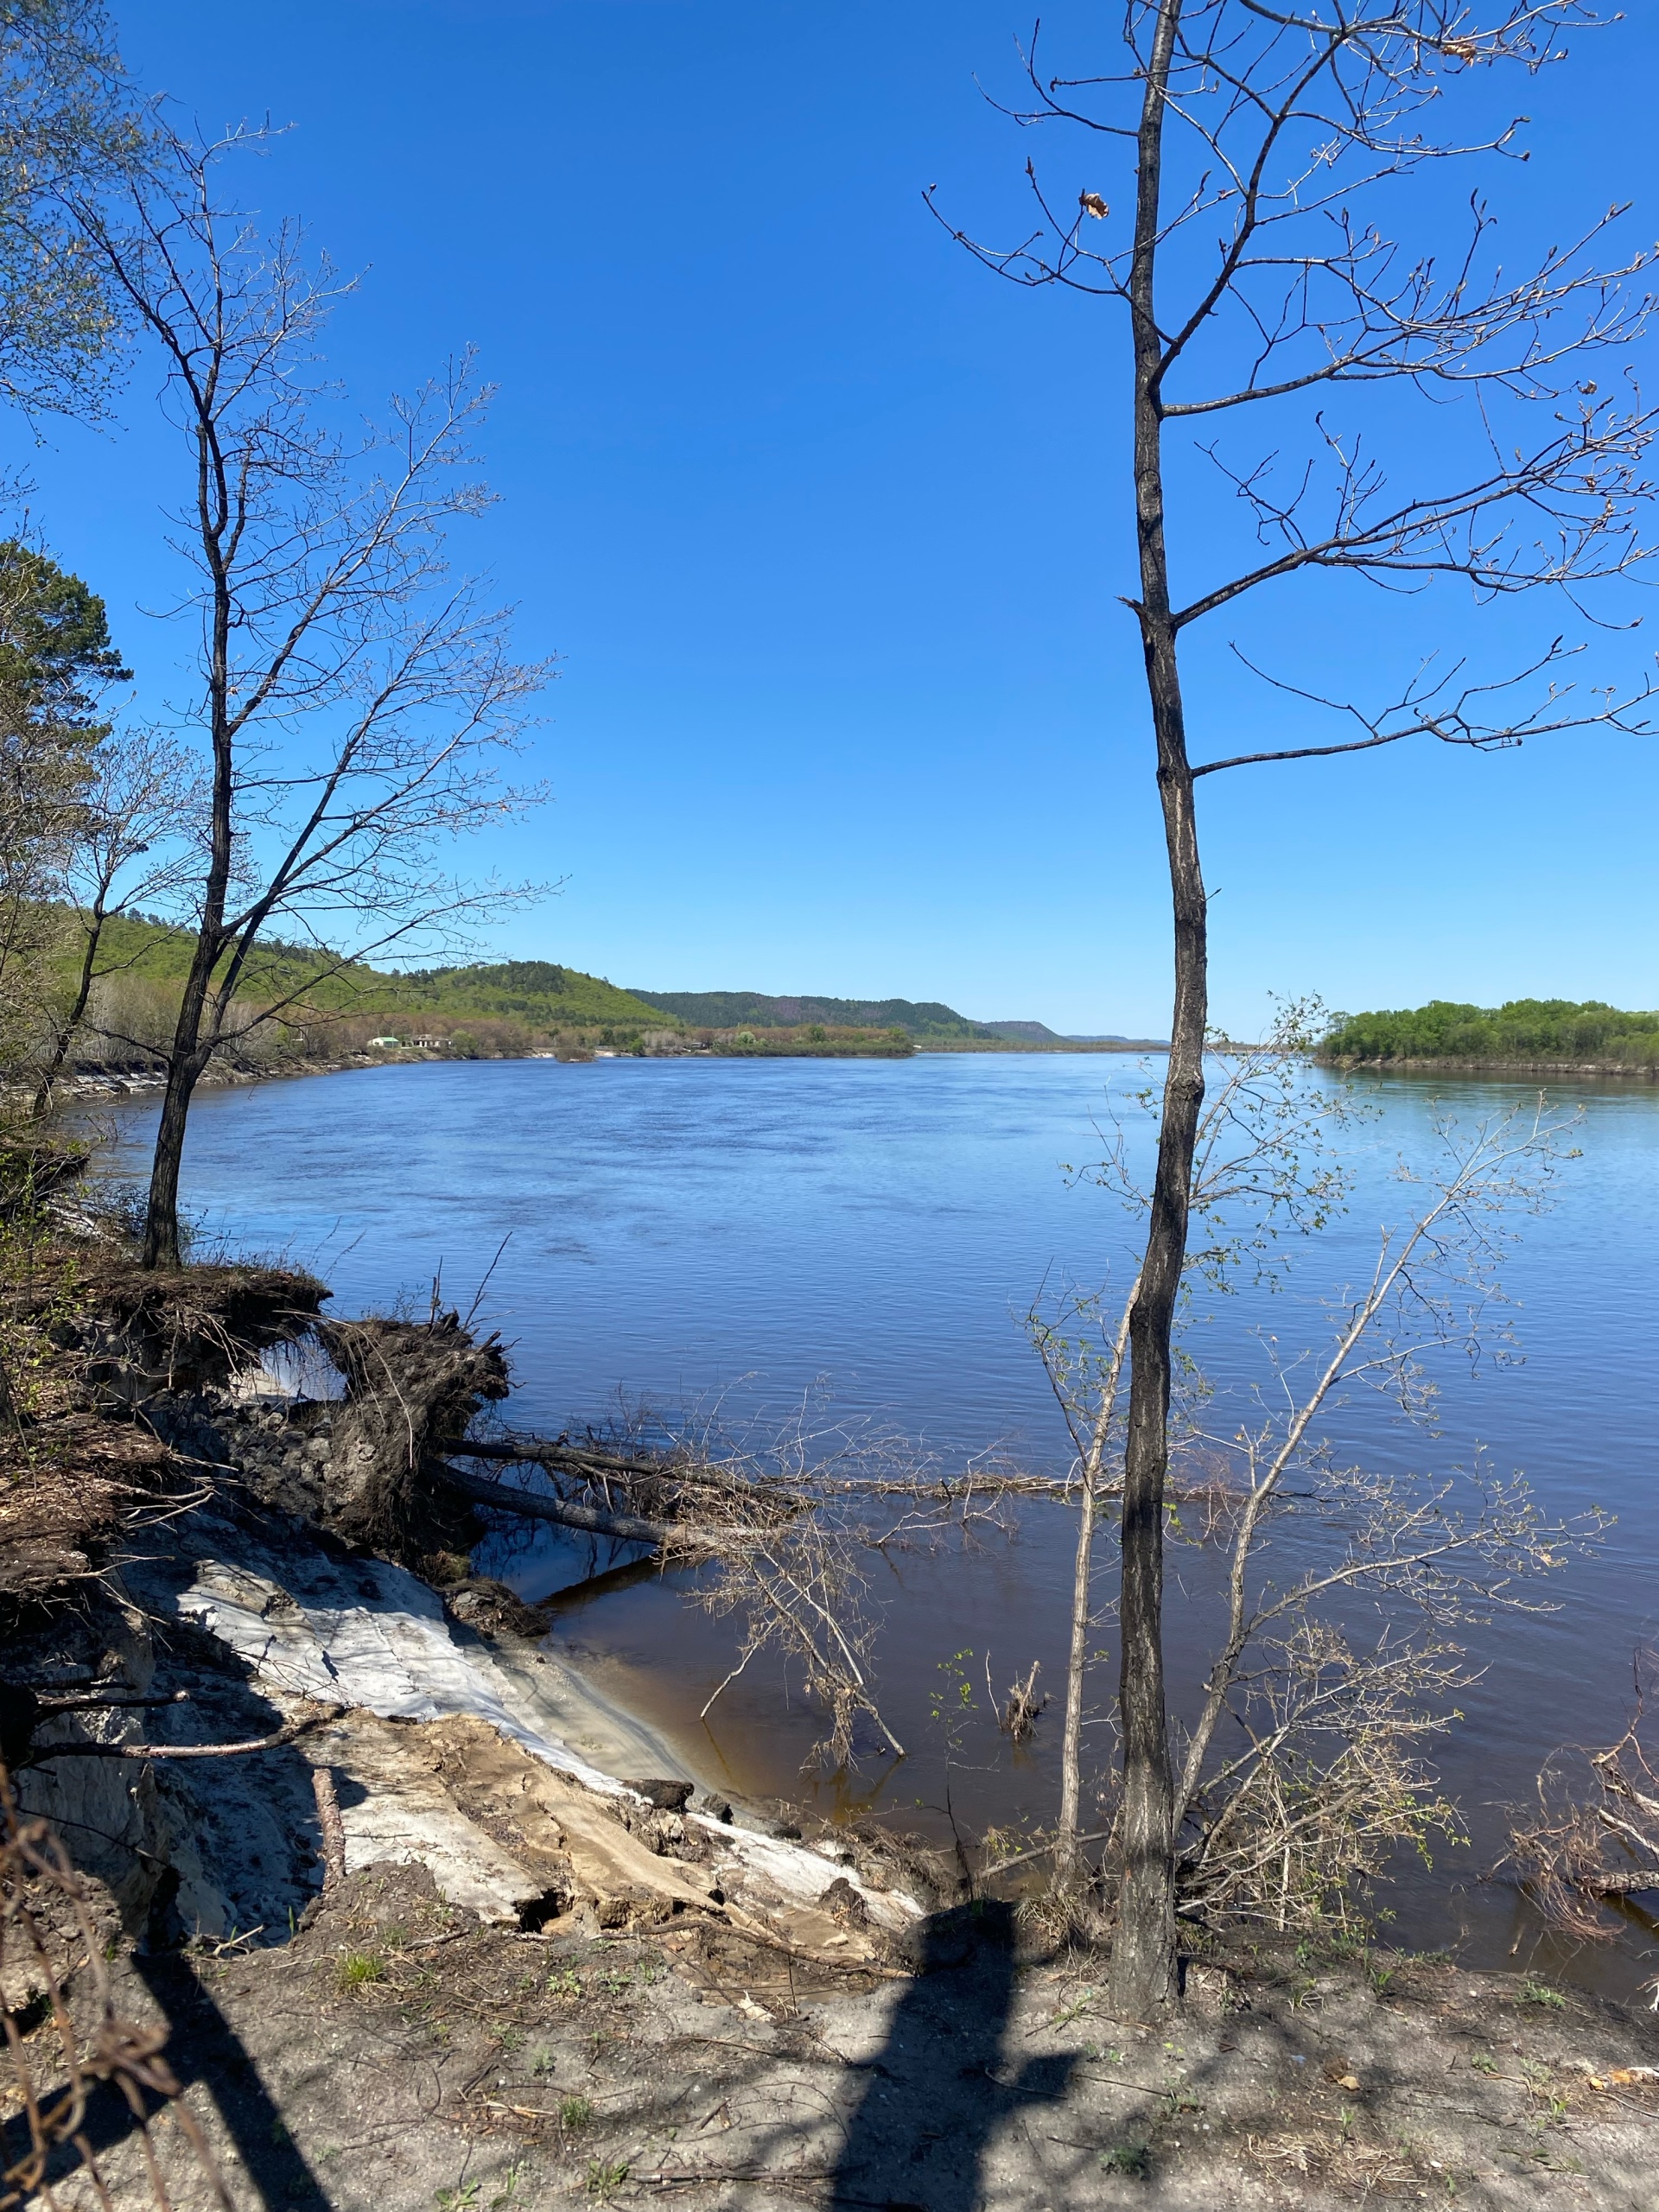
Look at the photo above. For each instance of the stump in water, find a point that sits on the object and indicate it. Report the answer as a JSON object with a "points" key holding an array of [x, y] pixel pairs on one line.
{"points": [[411, 1387]]}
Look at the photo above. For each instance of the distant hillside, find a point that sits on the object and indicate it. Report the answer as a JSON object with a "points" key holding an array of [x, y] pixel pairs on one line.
{"points": [[536, 992], [754, 1010], [509, 1006], [1524, 1032]]}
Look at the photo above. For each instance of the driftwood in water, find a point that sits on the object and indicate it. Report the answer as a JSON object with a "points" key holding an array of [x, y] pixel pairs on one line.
{"points": [[553, 1451], [594, 1521], [675, 1501], [979, 1482], [1585, 1802]]}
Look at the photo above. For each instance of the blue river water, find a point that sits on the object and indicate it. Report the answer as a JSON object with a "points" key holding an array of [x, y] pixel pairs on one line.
{"points": [[856, 1243]]}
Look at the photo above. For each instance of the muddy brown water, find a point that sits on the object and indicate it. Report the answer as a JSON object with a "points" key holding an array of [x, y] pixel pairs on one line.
{"points": [[858, 1242]]}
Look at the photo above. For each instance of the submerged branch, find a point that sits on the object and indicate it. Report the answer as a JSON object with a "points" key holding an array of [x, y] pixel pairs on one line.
{"points": [[567, 1513]]}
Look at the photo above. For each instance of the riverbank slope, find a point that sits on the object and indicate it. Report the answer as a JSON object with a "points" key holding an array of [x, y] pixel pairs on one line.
{"points": [[526, 1971]]}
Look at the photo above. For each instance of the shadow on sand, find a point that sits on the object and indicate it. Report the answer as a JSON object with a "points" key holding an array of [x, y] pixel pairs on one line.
{"points": [[942, 2087]]}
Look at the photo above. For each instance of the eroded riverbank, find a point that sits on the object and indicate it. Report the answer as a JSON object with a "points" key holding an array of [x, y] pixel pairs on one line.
{"points": [[543, 1963]]}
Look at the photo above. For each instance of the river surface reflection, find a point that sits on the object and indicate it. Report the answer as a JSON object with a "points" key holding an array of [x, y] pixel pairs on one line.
{"points": [[862, 1238]]}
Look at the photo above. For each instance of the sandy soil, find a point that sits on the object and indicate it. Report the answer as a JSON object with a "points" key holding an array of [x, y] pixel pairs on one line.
{"points": [[398, 2054]]}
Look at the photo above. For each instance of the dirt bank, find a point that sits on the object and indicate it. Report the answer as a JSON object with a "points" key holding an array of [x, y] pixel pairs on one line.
{"points": [[400, 2053]]}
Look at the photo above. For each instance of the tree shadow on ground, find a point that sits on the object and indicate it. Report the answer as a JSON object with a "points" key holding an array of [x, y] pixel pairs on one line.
{"points": [[940, 2087], [202, 2048]]}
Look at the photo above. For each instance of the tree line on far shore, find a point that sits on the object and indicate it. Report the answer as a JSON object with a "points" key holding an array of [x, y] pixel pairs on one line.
{"points": [[1529, 1032]]}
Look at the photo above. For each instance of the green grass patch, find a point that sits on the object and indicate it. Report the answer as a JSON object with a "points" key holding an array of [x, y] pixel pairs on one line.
{"points": [[357, 1969]]}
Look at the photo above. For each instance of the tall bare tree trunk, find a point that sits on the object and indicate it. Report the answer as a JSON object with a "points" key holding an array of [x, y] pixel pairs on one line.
{"points": [[187, 1059], [1143, 1976]]}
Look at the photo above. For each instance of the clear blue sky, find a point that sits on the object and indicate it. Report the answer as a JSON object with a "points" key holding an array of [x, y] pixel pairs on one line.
{"points": [[827, 525]]}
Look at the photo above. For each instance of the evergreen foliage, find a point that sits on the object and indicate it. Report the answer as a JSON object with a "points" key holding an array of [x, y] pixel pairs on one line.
{"points": [[69, 123]]}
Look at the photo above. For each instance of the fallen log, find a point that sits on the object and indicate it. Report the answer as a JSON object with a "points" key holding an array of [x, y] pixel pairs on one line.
{"points": [[286, 1734], [542, 1451], [592, 1520], [550, 1452], [1620, 1886]]}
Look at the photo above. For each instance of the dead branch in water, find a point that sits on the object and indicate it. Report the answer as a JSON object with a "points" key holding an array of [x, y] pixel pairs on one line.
{"points": [[570, 1513], [1594, 1808], [977, 1482], [1018, 1718]]}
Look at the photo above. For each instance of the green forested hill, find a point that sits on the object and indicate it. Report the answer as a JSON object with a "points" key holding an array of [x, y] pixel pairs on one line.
{"points": [[536, 992], [1525, 1032], [506, 1005], [755, 1010]]}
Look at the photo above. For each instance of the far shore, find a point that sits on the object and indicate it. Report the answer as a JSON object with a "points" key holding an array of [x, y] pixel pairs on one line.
{"points": [[1517, 1068], [89, 1085]]}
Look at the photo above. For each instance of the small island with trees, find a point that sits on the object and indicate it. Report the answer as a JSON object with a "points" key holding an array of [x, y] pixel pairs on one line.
{"points": [[1523, 1036]]}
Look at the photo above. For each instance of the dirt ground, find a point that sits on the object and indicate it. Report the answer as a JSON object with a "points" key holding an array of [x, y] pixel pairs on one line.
{"points": [[398, 2054]]}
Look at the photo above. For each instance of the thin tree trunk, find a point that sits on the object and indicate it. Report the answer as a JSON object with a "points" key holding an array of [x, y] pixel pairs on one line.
{"points": [[1067, 1856], [189, 1058], [93, 937], [1143, 1975], [185, 1064], [1068, 1838]]}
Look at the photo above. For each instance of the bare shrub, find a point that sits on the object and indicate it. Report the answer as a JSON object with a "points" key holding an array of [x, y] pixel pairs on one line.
{"points": [[1305, 1767]]}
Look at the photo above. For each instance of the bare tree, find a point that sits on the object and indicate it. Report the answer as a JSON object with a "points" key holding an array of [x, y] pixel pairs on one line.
{"points": [[1321, 1774], [1263, 1168], [1251, 135], [354, 695], [1439, 1550], [142, 804]]}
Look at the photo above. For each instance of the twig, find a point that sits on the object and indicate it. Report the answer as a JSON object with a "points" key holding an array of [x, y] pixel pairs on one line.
{"points": [[730, 1678], [333, 1832], [283, 1735]]}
